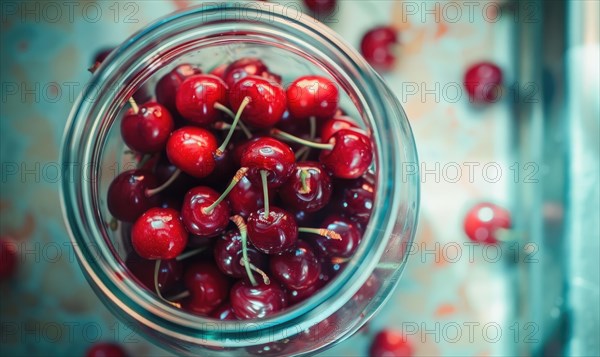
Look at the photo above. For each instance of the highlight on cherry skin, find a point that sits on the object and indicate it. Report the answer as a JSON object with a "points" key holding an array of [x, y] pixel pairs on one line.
{"points": [[249, 197]]}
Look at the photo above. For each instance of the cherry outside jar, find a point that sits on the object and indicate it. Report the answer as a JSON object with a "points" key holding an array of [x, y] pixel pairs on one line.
{"points": [[290, 46]]}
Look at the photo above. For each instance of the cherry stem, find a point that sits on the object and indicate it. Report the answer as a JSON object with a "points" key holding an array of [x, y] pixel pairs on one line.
{"points": [[153, 191], [144, 160], [134, 105], [223, 146], [228, 111], [328, 233], [113, 224], [190, 253], [338, 260], [239, 222], [310, 144], [181, 295], [156, 270], [254, 268], [313, 127], [263, 177], [238, 176], [301, 152], [304, 176]]}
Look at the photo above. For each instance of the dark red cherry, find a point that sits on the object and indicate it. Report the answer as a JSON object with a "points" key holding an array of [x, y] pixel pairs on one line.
{"points": [[148, 129], [307, 189], [483, 81], [247, 197], [377, 46], [106, 349], [242, 68], [267, 101], [297, 127], [9, 258], [311, 96], [296, 269], [198, 218], [164, 170], [240, 147], [273, 234], [224, 168], [351, 155], [127, 199], [341, 248], [170, 273], [159, 234], [485, 221], [271, 155], [228, 254], [355, 198], [219, 71], [256, 302], [306, 219], [336, 124], [320, 8], [389, 343], [208, 287], [197, 96], [191, 149], [167, 86], [223, 312], [295, 296]]}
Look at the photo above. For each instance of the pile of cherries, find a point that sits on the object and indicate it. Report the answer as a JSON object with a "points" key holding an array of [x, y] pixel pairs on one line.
{"points": [[248, 197]]}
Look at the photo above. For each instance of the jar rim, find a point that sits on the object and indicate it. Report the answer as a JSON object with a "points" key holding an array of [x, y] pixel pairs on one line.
{"points": [[80, 214]]}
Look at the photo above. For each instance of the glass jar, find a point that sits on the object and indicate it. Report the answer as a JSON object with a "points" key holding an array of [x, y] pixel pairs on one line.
{"points": [[291, 46]]}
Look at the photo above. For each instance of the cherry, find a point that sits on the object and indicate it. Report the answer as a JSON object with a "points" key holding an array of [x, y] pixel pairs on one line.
{"points": [[295, 296], [482, 82], [312, 96], [200, 216], [271, 156], [308, 188], [106, 349], [224, 312], [9, 258], [159, 234], [350, 156], [336, 124], [240, 147], [320, 8], [256, 302], [228, 255], [219, 71], [191, 150], [146, 129], [377, 47], [99, 57], [267, 101], [127, 198], [485, 222], [167, 86], [199, 96], [164, 171], [272, 232], [296, 269], [388, 343], [208, 287], [247, 197], [169, 277], [355, 198], [341, 248], [242, 68]]}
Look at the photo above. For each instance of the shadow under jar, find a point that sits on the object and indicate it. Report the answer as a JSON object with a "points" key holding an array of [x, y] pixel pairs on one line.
{"points": [[209, 36]]}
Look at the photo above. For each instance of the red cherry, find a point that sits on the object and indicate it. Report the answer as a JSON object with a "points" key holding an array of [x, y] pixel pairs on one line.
{"points": [[296, 269], [127, 199], [167, 86], [336, 124], [170, 273], [106, 349], [256, 302], [307, 189], [390, 343], [191, 149], [228, 254], [377, 47], [9, 258], [355, 198], [219, 71], [483, 81], [243, 68], [208, 287], [270, 155], [311, 96], [320, 8], [147, 129], [341, 248], [484, 222], [272, 234], [267, 101], [196, 216], [197, 96], [351, 155], [240, 147], [159, 234], [247, 197], [224, 312]]}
